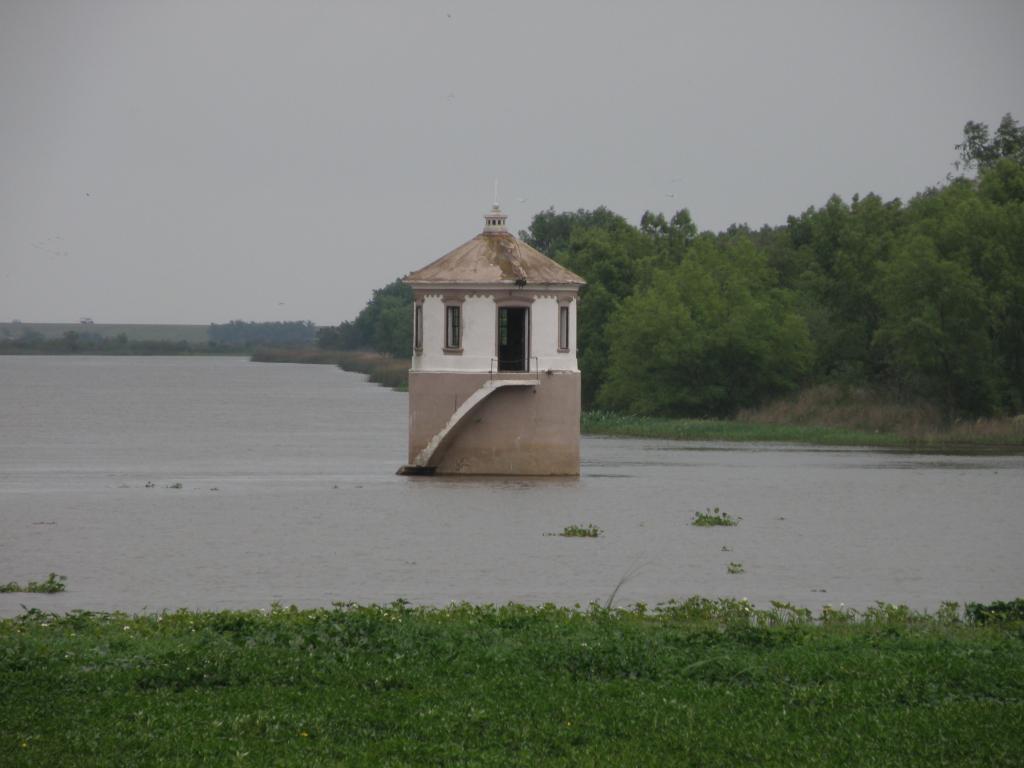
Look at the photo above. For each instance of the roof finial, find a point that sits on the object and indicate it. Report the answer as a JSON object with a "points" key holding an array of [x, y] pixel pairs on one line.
{"points": [[494, 219]]}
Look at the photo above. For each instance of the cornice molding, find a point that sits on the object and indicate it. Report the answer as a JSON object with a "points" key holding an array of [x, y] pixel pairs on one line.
{"points": [[450, 293]]}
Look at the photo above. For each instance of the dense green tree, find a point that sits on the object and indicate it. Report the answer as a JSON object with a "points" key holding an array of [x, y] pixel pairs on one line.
{"points": [[830, 257], [934, 331], [1003, 182], [341, 336], [392, 332], [705, 338], [551, 232], [670, 237], [596, 307], [612, 256], [981, 227], [609, 259], [384, 324], [239, 333], [980, 149]]}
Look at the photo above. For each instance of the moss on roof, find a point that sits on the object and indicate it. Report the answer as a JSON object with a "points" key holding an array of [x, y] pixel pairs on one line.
{"points": [[494, 257]]}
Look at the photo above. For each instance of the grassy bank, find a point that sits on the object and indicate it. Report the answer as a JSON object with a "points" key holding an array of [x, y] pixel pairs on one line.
{"points": [[311, 355], [811, 418], [1007, 435], [709, 683], [387, 371], [619, 425], [861, 409]]}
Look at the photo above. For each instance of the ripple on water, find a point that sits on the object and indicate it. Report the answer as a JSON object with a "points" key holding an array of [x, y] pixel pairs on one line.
{"points": [[308, 509]]}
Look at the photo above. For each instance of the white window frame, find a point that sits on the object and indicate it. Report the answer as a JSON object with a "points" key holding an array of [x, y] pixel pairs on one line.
{"points": [[564, 327], [453, 310], [417, 327]]}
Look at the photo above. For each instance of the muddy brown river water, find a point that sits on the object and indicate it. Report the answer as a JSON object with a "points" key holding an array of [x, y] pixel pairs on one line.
{"points": [[288, 493]]}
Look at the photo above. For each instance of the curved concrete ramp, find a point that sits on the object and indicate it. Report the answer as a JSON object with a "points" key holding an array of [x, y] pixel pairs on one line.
{"points": [[428, 457]]}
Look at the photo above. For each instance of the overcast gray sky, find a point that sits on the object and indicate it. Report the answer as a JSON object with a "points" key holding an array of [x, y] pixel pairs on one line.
{"points": [[204, 161]]}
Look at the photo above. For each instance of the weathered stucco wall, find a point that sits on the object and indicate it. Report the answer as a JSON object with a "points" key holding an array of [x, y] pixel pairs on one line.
{"points": [[479, 333], [517, 431]]}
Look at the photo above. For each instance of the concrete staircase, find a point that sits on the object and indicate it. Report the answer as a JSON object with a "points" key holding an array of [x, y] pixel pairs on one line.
{"points": [[429, 457]]}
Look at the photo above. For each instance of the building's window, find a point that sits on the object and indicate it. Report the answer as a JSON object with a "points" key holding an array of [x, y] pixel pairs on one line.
{"points": [[563, 329], [417, 328], [453, 327]]}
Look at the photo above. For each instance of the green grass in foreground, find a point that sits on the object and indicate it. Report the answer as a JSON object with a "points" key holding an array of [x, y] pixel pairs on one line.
{"points": [[709, 683]]}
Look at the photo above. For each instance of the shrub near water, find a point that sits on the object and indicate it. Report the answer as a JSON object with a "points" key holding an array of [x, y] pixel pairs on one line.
{"points": [[867, 410], [54, 583], [702, 682], [380, 369], [714, 517], [997, 612]]}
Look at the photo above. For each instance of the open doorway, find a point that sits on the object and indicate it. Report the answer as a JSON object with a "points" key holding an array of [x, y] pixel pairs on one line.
{"points": [[513, 327]]}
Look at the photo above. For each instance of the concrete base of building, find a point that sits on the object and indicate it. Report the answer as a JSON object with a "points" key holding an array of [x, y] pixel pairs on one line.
{"points": [[412, 469], [521, 430]]}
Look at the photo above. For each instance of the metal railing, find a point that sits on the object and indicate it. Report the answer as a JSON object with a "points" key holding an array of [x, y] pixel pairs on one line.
{"points": [[532, 366]]}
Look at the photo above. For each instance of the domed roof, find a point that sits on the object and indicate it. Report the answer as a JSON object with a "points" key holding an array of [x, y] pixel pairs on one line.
{"points": [[494, 256]]}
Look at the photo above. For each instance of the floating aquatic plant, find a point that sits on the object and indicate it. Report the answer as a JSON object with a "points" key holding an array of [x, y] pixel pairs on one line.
{"points": [[54, 583], [711, 517]]}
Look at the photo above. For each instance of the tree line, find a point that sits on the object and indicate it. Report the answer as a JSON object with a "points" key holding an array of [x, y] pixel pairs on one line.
{"points": [[234, 336], [921, 299], [85, 343], [246, 335], [384, 324]]}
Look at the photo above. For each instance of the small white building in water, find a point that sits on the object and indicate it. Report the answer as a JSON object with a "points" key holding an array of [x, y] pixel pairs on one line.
{"points": [[494, 386]]}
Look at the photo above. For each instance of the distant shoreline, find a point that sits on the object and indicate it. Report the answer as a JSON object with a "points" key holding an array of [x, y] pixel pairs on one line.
{"points": [[237, 337], [172, 332], [146, 350]]}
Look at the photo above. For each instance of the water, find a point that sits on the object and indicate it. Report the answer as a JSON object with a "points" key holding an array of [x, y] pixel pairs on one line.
{"points": [[288, 494]]}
